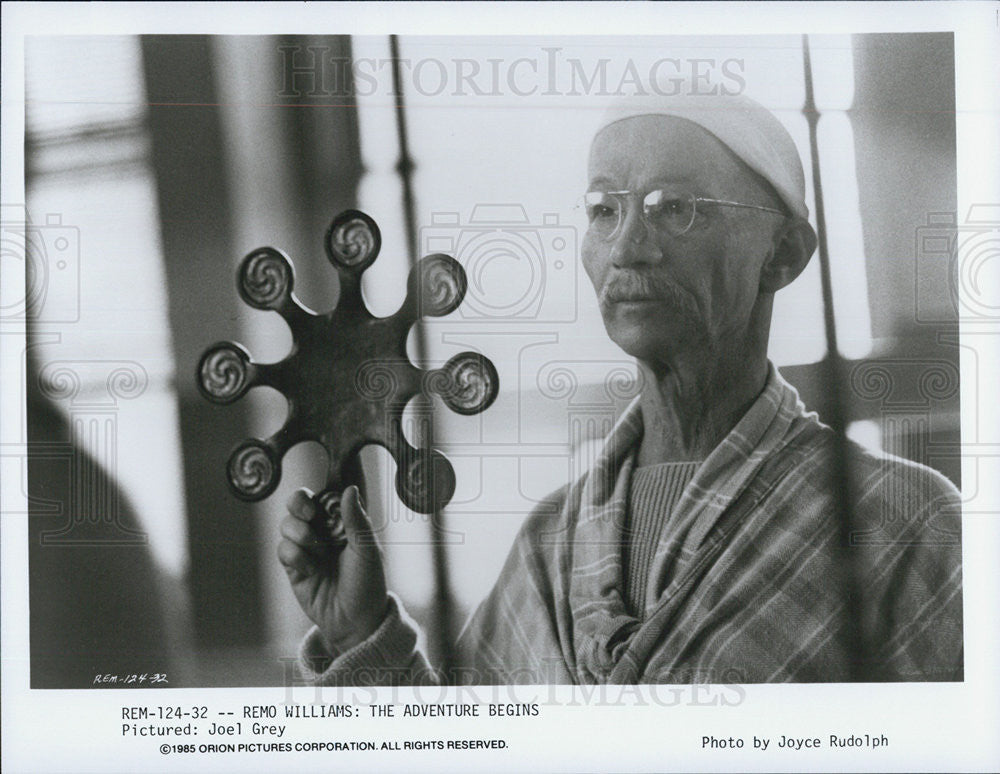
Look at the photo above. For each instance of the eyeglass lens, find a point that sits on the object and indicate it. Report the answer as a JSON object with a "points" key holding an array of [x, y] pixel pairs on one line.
{"points": [[669, 212]]}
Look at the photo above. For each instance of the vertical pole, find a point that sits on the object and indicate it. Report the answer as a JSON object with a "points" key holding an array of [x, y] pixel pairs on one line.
{"points": [[834, 409], [193, 189], [441, 631]]}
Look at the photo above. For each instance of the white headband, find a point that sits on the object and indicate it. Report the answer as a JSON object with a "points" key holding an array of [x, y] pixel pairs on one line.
{"points": [[745, 127]]}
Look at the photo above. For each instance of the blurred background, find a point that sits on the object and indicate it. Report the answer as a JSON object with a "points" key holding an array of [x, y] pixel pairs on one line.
{"points": [[155, 163]]}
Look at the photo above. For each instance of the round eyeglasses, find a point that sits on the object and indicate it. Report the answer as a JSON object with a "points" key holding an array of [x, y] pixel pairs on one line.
{"points": [[669, 212]]}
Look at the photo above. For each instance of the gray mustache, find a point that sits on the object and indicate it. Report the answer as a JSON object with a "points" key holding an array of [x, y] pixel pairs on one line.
{"points": [[632, 286]]}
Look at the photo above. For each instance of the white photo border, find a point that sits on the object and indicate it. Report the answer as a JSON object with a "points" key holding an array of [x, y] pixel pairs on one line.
{"points": [[935, 726]]}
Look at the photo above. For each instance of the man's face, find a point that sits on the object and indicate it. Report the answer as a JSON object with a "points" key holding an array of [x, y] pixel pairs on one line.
{"points": [[661, 295]]}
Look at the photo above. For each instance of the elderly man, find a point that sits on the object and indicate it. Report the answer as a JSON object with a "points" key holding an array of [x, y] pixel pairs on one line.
{"points": [[704, 544]]}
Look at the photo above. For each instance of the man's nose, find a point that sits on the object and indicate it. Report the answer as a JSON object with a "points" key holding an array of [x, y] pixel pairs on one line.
{"points": [[633, 242]]}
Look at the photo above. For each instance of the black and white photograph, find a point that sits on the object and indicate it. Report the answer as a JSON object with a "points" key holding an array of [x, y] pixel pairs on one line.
{"points": [[380, 387]]}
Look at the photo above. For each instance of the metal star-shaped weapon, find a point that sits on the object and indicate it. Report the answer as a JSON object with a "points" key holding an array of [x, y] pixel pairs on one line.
{"points": [[347, 378]]}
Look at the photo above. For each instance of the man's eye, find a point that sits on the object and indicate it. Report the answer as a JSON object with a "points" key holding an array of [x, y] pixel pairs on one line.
{"points": [[601, 212], [671, 212], [672, 206]]}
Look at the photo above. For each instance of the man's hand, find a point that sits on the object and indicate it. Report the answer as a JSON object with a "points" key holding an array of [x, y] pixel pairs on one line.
{"points": [[342, 589]]}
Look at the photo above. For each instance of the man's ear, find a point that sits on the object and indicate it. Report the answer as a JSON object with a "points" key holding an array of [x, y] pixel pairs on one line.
{"points": [[794, 245]]}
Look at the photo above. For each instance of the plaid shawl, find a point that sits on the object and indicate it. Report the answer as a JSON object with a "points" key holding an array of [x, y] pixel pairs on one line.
{"points": [[747, 584]]}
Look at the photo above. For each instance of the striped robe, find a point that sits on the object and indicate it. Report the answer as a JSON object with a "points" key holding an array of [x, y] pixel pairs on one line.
{"points": [[747, 584]]}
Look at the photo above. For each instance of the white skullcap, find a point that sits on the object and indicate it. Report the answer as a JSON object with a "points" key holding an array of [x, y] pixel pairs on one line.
{"points": [[747, 128]]}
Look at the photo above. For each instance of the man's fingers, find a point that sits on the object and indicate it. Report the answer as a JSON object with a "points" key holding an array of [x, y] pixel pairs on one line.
{"points": [[304, 536], [297, 562], [297, 531], [301, 505]]}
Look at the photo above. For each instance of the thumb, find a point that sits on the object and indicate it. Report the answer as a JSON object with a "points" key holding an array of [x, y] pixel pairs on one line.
{"points": [[357, 525]]}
